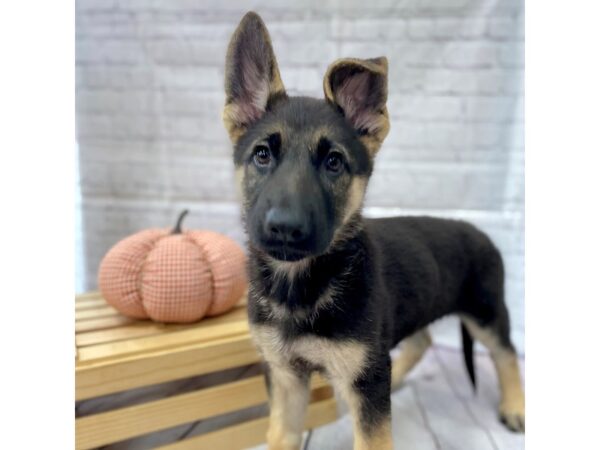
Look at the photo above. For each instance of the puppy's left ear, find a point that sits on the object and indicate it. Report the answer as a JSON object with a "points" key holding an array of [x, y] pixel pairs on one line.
{"points": [[358, 87], [252, 79]]}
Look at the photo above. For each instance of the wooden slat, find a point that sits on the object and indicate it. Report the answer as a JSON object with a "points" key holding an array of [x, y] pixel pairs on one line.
{"points": [[103, 311], [251, 433], [90, 304], [102, 323], [92, 295], [105, 377], [124, 423], [96, 295], [101, 429], [120, 349], [148, 328], [131, 331]]}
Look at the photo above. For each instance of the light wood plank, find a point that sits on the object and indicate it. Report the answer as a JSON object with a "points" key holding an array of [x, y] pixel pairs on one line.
{"points": [[93, 296], [131, 331], [103, 311], [86, 296], [90, 304], [148, 328], [101, 429], [102, 323], [105, 377], [253, 432], [124, 423], [115, 350]]}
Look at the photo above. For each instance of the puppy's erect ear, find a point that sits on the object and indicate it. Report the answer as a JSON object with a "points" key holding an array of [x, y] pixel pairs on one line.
{"points": [[252, 78], [359, 88]]}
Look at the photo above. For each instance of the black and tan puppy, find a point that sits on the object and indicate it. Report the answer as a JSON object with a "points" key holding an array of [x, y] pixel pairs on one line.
{"points": [[329, 290]]}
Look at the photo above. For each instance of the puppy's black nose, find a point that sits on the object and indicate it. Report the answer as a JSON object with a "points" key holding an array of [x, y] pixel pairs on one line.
{"points": [[284, 224]]}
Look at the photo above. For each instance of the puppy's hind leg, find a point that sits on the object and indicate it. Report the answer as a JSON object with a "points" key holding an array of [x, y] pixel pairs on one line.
{"points": [[512, 403], [486, 318], [412, 349]]}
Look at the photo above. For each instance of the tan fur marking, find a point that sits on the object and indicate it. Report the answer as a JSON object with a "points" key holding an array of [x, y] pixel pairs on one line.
{"points": [[239, 182], [288, 268], [320, 133], [281, 312], [289, 394], [356, 196], [380, 439], [373, 142], [354, 203], [288, 402], [512, 403], [413, 348], [234, 129], [276, 85], [340, 359]]}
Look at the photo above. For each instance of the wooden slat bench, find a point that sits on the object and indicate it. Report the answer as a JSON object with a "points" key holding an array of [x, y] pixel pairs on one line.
{"points": [[116, 354]]}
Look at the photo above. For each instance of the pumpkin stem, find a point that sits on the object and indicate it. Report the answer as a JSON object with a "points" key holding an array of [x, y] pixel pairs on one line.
{"points": [[177, 229]]}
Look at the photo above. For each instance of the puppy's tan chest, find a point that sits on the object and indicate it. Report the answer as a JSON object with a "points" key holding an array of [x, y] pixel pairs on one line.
{"points": [[340, 358]]}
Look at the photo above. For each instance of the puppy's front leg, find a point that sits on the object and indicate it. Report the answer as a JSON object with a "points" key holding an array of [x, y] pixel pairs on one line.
{"points": [[288, 398], [368, 397]]}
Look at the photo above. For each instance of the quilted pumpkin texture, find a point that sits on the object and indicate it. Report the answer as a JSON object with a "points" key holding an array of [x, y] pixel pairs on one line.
{"points": [[173, 275]]}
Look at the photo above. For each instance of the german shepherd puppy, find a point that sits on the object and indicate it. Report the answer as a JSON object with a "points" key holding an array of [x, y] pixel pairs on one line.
{"points": [[329, 290]]}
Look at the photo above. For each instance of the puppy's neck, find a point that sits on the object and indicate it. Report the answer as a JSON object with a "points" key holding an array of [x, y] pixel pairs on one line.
{"points": [[289, 269]]}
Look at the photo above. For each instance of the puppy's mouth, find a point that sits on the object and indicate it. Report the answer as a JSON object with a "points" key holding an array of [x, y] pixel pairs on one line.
{"points": [[285, 252]]}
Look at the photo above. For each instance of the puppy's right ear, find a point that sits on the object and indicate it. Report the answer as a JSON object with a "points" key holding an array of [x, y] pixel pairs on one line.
{"points": [[358, 87], [252, 78]]}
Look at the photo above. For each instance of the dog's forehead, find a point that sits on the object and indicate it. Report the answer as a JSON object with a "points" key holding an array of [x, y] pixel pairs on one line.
{"points": [[301, 118]]}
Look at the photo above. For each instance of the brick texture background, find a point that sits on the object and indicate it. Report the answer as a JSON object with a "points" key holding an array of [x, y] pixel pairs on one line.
{"points": [[149, 77]]}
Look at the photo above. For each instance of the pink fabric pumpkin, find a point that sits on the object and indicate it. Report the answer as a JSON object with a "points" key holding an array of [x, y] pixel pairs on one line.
{"points": [[173, 276]]}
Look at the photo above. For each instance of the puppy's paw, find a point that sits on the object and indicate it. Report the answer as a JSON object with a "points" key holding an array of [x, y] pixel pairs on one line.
{"points": [[279, 440], [513, 417]]}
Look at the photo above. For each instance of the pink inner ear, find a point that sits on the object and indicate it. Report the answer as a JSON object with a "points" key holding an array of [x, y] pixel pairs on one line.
{"points": [[353, 96], [252, 105]]}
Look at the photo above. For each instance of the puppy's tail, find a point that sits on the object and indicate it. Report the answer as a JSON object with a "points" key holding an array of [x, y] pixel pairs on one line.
{"points": [[467, 345]]}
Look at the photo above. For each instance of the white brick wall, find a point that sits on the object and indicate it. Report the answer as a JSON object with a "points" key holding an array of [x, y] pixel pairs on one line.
{"points": [[149, 93]]}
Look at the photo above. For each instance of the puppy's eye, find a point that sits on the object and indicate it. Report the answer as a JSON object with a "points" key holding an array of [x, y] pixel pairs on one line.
{"points": [[334, 162], [262, 155]]}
